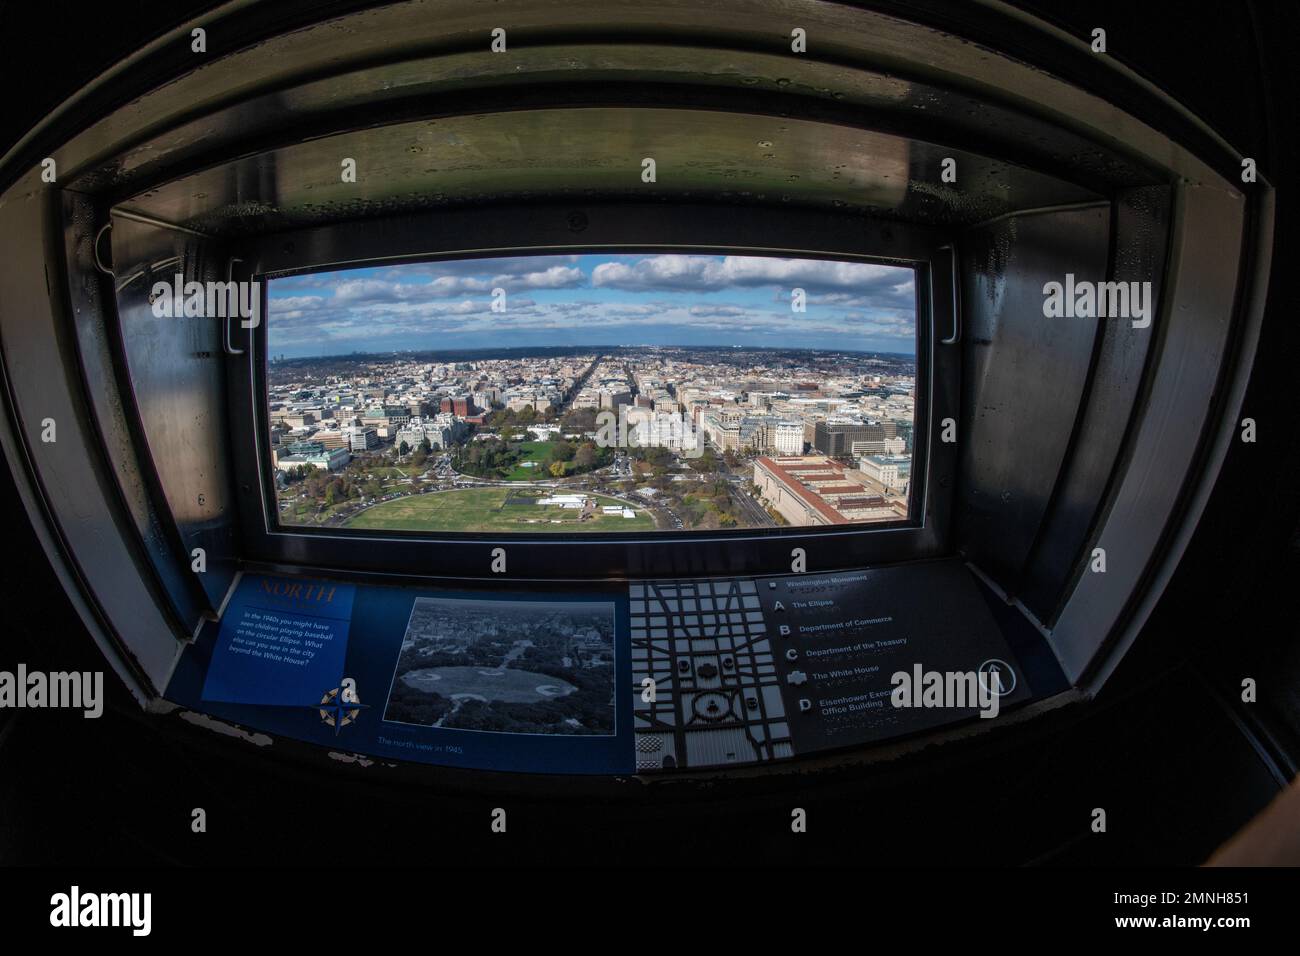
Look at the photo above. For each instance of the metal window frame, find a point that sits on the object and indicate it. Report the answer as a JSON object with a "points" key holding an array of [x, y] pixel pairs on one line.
{"points": [[543, 228]]}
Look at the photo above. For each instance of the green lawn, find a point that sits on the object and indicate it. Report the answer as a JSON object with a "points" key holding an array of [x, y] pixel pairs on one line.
{"points": [[531, 451], [485, 509]]}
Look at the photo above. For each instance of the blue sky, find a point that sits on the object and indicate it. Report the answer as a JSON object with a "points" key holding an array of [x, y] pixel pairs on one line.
{"points": [[601, 299]]}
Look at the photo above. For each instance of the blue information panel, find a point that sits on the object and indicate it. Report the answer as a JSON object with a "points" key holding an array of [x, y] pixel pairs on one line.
{"points": [[498, 680], [280, 642], [646, 677]]}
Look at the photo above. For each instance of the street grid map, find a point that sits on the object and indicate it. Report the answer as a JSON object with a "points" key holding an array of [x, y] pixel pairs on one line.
{"points": [[716, 693]]}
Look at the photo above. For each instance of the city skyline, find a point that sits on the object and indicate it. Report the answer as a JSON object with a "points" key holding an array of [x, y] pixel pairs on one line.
{"points": [[706, 440], [639, 299], [507, 353]]}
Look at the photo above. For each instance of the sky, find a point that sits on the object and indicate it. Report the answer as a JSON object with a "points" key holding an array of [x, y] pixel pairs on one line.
{"points": [[600, 299]]}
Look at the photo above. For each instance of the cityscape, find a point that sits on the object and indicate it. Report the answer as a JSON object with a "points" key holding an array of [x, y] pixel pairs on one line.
{"points": [[601, 438]]}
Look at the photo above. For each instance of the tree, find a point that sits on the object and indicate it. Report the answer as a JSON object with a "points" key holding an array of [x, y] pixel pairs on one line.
{"points": [[706, 462], [709, 521], [658, 456], [403, 449], [557, 469]]}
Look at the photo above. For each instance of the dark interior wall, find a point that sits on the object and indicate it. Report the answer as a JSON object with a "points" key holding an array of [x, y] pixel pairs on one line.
{"points": [[1035, 474], [174, 366], [1139, 243], [1012, 450], [1233, 65]]}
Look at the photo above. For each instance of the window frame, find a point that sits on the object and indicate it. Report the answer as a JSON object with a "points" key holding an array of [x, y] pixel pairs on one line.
{"points": [[500, 231]]}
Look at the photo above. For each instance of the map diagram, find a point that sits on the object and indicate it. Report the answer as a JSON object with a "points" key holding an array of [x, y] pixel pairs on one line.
{"points": [[716, 692]]}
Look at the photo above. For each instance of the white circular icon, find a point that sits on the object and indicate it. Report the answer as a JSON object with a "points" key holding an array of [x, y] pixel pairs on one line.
{"points": [[1002, 670]]}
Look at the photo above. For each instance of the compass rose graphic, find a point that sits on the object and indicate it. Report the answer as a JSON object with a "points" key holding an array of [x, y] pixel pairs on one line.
{"points": [[339, 709]]}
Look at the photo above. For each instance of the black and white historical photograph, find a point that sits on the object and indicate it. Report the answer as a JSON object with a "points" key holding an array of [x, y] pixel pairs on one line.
{"points": [[514, 667]]}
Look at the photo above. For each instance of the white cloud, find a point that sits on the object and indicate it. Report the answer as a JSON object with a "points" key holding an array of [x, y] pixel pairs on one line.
{"points": [[848, 301], [682, 273]]}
